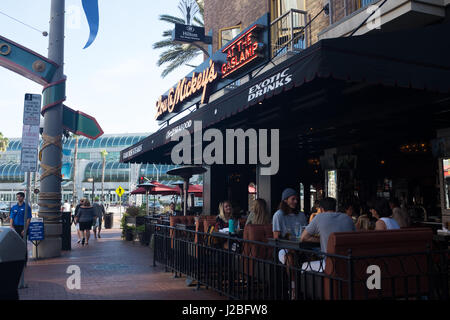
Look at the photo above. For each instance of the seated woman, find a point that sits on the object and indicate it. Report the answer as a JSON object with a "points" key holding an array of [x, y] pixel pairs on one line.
{"points": [[381, 210], [225, 214], [259, 213]]}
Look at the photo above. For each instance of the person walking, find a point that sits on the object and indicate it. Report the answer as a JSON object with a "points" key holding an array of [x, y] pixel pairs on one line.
{"points": [[65, 207], [17, 214], [85, 218], [99, 212], [77, 225]]}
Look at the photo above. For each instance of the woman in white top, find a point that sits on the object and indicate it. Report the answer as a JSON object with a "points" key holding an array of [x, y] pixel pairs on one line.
{"points": [[383, 213]]}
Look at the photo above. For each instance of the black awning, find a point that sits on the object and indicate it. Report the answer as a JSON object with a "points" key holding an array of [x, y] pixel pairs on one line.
{"points": [[416, 59]]}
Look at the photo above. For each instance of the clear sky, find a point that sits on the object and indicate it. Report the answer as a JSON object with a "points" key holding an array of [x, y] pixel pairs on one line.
{"points": [[116, 79]]}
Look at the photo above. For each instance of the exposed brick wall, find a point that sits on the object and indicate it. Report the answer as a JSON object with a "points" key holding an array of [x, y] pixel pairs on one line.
{"points": [[321, 22], [227, 13]]}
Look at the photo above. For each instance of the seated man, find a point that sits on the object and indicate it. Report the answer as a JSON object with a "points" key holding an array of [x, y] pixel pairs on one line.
{"points": [[322, 226]]}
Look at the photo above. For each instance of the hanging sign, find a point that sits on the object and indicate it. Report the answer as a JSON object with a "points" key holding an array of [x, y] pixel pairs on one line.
{"points": [[245, 49], [187, 33]]}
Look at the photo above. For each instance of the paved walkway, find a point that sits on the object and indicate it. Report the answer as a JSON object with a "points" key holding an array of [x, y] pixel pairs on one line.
{"points": [[111, 268]]}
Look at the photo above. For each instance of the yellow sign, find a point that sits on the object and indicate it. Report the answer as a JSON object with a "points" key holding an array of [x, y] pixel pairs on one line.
{"points": [[120, 191]]}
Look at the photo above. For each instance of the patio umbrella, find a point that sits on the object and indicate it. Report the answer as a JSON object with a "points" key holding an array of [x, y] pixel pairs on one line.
{"points": [[186, 173]]}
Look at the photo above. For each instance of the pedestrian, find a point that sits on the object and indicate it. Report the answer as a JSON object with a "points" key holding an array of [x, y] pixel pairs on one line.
{"points": [[99, 212], [17, 214], [85, 217], [66, 206], [172, 211], [75, 221]]}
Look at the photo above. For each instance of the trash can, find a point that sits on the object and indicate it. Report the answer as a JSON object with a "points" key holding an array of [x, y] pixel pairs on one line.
{"points": [[12, 262], [109, 220], [66, 237]]}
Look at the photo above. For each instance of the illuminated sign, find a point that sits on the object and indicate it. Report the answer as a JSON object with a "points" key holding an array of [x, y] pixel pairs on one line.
{"points": [[242, 51], [187, 88]]}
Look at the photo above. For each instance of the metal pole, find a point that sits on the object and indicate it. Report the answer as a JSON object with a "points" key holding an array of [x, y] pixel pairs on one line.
{"points": [[93, 181], [185, 190], [50, 198], [27, 200]]}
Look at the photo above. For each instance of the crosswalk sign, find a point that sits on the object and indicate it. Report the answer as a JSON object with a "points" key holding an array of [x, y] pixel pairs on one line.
{"points": [[120, 191]]}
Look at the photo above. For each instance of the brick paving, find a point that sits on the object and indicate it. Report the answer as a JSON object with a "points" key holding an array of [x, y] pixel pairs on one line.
{"points": [[111, 268]]}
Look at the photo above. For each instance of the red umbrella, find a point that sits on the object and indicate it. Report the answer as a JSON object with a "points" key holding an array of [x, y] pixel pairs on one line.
{"points": [[158, 189]]}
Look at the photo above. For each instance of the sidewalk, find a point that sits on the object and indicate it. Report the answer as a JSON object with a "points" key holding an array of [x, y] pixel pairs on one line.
{"points": [[111, 268]]}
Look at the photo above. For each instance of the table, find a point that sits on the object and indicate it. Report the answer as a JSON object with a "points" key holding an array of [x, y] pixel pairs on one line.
{"points": [[293, 244]]}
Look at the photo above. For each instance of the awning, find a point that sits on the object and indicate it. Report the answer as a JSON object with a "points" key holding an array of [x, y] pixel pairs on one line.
{"points": [[416, 59]]}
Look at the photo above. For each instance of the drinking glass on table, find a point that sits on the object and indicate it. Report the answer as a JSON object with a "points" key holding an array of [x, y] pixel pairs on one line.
{"points": [[298, 228]]}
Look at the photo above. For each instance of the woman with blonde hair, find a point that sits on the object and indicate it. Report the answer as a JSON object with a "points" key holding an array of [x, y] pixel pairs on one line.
{"points": [[225, 214], [259, 213]]}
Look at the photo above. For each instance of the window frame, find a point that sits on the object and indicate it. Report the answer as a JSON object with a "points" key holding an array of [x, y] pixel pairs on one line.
{"points": [[228, 28]]}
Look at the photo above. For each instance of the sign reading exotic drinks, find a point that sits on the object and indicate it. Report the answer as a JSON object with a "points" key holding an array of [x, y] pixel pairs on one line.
{"points": [[245, 49], [187, 88]]}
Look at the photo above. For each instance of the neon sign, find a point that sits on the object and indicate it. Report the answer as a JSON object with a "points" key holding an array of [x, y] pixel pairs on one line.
{"points": [[187, 88], [242, 51]]}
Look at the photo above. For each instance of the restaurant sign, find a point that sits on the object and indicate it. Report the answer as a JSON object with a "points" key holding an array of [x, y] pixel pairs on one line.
{"points": [[243, 50], [186, 89]]}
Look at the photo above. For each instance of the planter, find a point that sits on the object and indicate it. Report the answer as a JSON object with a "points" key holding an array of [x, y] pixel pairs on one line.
{"points": [[129, 235], [142, 239]]}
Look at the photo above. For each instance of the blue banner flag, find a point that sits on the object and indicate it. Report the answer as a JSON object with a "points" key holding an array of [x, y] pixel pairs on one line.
{"points": [[91, 10]]}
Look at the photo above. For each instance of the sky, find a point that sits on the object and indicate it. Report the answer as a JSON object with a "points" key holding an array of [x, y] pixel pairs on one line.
{"points": [[116, 79]]}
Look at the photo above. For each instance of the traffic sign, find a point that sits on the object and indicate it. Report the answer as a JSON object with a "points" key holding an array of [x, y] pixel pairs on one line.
{"points": [[81, 123], [120, 191], [28, 159], [32, 109], [30, 136]]}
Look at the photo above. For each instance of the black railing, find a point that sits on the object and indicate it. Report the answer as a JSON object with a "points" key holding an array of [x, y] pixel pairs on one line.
{"points": [[251, 270]]}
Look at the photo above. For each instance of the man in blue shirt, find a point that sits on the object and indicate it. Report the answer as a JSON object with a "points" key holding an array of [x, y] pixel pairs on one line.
{"points": [[17, 214]]}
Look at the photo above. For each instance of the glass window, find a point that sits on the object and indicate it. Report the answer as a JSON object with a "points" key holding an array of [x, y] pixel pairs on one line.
{"points": [[446, 169], [97, 142], [228, 34]]}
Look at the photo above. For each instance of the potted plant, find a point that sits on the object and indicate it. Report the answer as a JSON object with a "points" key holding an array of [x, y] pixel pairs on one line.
{"points": [[129, 232], [140, 230]]}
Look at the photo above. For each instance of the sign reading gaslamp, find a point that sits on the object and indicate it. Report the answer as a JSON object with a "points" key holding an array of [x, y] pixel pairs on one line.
{"points": [[243, 50], [186, 89]]}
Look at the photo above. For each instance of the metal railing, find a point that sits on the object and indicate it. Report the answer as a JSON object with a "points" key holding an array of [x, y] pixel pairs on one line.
{"points": [[342, 8], [288, 32], [251, 270]]}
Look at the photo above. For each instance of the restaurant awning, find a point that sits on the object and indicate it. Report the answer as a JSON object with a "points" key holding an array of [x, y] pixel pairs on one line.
{"points": [[416, 59]]}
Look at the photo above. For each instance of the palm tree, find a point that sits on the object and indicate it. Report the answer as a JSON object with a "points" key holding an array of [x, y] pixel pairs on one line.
{"points": [[177, 54], [104, 154], [4, 141]]}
